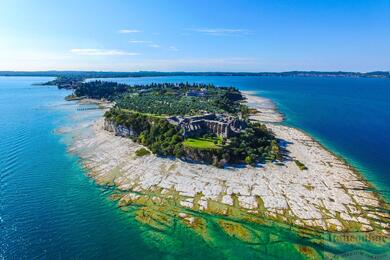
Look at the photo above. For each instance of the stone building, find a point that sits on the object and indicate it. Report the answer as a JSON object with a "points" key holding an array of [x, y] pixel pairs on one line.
{"points": [[221, 125]]}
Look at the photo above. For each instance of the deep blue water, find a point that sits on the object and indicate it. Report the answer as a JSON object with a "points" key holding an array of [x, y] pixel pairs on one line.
{"points": [[350, 116]]}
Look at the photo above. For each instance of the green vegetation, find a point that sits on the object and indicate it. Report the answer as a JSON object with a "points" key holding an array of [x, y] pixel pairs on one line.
{"points": [[101, 89], [300, 165], [203, 143], [165, 98], [66, 82], [255, 144], [144, 110], [72, 97], [142, 152], [157, 134], [308, 186]]}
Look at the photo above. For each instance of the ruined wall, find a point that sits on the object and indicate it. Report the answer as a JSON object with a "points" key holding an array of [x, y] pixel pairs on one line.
{"points": [[199, 125]]}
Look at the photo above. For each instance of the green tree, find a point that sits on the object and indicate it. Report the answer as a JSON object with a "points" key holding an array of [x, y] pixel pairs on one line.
{"points": [[249, 159]]}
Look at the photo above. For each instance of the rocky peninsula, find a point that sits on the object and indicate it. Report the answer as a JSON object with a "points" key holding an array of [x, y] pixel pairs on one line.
{"points": [[310, 187]]}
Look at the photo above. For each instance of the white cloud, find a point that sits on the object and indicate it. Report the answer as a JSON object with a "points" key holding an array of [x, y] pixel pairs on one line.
{"points": [[221, 31], [137, 41], [153, 45], [173, 48], [126, 31], [147, 43], [101, 52]]}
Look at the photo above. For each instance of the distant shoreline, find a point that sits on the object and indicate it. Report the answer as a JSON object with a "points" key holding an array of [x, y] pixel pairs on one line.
{"points": [[112, 74]]}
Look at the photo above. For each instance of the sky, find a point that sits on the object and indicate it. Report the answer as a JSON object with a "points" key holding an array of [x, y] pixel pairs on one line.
{"points": [[183, 35]]}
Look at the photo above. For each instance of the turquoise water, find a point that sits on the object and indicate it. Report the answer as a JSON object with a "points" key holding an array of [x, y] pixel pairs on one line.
{"points": [[350, 116], [50, 209]]}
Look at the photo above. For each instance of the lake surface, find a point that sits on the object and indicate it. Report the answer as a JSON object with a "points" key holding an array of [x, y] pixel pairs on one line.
{"points": [[50, 209], [350, 116]]}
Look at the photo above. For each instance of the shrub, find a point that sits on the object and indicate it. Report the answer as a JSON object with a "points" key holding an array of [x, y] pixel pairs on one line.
{"points": [[142, 152], [249, 159], [300, 165]]}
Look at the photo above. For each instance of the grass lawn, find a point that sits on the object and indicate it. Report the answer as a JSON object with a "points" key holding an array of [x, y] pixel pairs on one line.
{"points": [[202, 143]]}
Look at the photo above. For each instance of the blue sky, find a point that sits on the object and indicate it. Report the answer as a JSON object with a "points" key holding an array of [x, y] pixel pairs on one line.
{"points": [[194, 35]]}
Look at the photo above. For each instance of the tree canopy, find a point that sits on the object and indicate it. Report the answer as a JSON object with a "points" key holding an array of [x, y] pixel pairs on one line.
{"points": [[143, 109]]}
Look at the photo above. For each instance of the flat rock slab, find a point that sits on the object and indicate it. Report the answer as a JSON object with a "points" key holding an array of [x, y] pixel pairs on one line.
{"points": [[329, 195]]}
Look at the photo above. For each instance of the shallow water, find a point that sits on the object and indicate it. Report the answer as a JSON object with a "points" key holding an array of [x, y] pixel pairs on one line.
{"points": [[50, 209]]}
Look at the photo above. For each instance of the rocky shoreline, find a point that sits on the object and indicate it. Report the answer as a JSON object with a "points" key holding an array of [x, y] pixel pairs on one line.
{"points": [[328, 195], [266, 109]]}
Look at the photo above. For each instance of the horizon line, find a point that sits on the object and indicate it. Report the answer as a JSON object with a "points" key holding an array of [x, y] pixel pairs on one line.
{"points": [[182, 71]]}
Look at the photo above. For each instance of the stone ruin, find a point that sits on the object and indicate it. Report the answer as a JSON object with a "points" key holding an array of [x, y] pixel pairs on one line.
{"points": [[221, 125]]}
